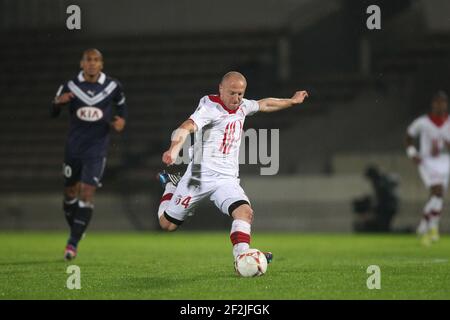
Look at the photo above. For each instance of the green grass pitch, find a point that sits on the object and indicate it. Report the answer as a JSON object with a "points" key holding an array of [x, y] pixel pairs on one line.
{"points": [[198, 265]]}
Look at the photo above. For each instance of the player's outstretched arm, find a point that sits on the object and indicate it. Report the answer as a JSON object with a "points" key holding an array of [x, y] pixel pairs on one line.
{"points": [[178, 138], [275, 104]]}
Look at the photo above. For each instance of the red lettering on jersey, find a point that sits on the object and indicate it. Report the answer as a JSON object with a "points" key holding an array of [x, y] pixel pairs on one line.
{"points": [[185, 202], [224, 137], [229, 137], [435, 150]]}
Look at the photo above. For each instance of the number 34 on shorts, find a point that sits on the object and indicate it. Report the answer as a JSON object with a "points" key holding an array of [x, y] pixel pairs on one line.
{"points": [[184, 201]]}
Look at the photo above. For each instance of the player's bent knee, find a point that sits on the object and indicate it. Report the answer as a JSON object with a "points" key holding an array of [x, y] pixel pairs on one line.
{"points": [[169, 226], [166, 224], [87, 193], [249, 214], [243, 212], [437, 191], [71, 192]]}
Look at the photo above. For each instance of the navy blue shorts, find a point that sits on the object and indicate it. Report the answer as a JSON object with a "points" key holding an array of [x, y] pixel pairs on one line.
{"points": [[88, 171]]}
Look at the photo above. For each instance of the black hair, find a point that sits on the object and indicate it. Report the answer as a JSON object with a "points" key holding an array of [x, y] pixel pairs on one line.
{"points": [[441, 94], [91, 50]]}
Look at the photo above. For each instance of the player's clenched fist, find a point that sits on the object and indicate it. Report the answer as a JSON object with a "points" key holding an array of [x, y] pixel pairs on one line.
{"points": [[64, 98], [299, 96], [168, 157], [118, 124]]}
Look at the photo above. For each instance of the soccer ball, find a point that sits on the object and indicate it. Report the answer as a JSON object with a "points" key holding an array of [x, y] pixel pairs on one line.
{"points": [[251, 263]]}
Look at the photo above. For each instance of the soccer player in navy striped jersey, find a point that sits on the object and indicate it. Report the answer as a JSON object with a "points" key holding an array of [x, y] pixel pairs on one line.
{"points": [[89, 98]]}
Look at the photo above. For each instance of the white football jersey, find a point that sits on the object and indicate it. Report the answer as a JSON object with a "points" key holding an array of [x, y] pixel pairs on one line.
{"points": [[432, 135], [217, 141]]}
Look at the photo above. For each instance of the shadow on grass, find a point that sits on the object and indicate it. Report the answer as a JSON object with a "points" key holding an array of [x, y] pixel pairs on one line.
{"points": [[152, 282]]}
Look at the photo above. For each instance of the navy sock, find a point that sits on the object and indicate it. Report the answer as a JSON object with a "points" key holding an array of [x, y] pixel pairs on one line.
{"points": [[81, 221], [70, 207]]}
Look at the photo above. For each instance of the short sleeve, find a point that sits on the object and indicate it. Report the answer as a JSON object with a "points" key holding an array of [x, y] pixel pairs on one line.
{"points": [[415, 128], [251, 107], [203, 115]]}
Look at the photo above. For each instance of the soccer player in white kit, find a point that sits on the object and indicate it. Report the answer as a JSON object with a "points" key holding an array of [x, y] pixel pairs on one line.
{"points": [[214, 171], [433, 161]]}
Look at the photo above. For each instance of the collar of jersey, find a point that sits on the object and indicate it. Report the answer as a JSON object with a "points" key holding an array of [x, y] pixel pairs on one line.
{"points": [[90, 101], [438, 120], [100, 80], [215, 98]]}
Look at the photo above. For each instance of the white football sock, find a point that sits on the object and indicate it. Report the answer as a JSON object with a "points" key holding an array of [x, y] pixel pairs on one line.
{"points": [[165, 199], [423, 226], [431, 212], [437, 203], [239, 248], [240, 236], [434, 221]]}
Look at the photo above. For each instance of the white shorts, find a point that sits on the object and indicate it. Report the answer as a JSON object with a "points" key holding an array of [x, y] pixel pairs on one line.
{"points": [[222, 190], [435, 171]]}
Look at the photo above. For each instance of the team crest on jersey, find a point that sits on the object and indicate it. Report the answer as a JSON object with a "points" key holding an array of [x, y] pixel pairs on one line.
{"points": [[90, 114]]}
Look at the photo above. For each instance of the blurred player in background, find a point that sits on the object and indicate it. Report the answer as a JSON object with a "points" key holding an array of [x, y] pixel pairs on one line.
{"points": [[218, 122], [89, 98], [433, 161]]}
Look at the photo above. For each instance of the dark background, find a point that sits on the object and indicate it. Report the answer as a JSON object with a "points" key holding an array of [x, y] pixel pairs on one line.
{"points": [[365, 87]]}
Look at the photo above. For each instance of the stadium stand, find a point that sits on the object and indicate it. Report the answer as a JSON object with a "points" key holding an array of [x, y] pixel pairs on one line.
{"points": [[165, 75]]}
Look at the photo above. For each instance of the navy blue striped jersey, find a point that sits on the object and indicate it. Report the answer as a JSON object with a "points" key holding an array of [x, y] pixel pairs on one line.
{"points": [[91, 112]]}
